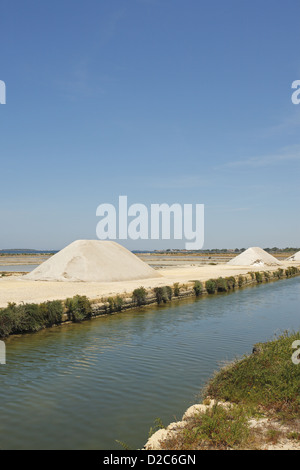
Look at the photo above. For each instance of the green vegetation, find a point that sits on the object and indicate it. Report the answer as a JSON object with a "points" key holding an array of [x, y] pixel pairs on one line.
{"points": [[163, 294], [267, 379], [241, 281], [291, 271], [27, 318], [158, 424], [231, 282], [211, 286], [78, 308], [52, 312], [115, 304], [198, 288], [176, 289], [265, 384], [217, 428], [279, 273], [139, 296], [221, 285]]}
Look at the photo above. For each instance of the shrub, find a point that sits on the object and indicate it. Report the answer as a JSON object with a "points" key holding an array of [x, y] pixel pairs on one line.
{"points": [[278, 274], [258, 277], [78, 308], [291, 271], [163, 294], [211, 286], [198, 288], [231, 282], [176, 289], [115, 304], [118, 303], [139, 296], [6, 322], [51, 312], [221, 285], [27, 318], [241, 281], [169, 292]]}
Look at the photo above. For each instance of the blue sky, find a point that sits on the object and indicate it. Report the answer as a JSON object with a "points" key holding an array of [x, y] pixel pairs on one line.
{"points": [[160, 100]]}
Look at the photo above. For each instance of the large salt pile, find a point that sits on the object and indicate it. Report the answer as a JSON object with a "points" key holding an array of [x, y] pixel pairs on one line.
{"points": [[93, 261], [295, 257], [254, 256]]}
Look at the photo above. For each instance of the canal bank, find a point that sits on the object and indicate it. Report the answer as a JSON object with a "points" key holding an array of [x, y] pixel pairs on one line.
{"points": [[32, 317]]}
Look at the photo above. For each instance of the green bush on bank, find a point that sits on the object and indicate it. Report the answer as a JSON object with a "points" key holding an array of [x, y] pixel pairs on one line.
{"points": [[176, 289], [291, 271], [78, 308], [139, 296], [278, 274], [198, 288], [241, 281], [115, 304], [267, 379], [231, 282], [163, 294], [211, 286], [28, 318], [221, 285]]}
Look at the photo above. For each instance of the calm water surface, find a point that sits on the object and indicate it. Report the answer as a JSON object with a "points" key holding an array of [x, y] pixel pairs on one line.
{"points": [[20, 268], [84, 386]]}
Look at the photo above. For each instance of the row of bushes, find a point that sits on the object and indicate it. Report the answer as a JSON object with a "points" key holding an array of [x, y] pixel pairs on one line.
{"points": [[229, 283], [278, 274], [222, 284], [212, 286], [163, 294], [28, 318]]}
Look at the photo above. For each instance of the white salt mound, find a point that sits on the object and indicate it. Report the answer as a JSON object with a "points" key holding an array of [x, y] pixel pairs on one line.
{"points": [[295, 257], [254, 256], [93, 261]]}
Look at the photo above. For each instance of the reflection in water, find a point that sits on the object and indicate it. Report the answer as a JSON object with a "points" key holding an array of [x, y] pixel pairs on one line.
{"points": [[84, 386], [18, 268]]}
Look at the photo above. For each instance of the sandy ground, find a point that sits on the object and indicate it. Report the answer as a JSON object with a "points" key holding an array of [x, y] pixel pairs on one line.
{"points": [[17, 289]]}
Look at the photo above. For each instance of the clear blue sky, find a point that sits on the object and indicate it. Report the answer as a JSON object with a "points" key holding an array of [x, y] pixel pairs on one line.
{"points": [[183, 101]]}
